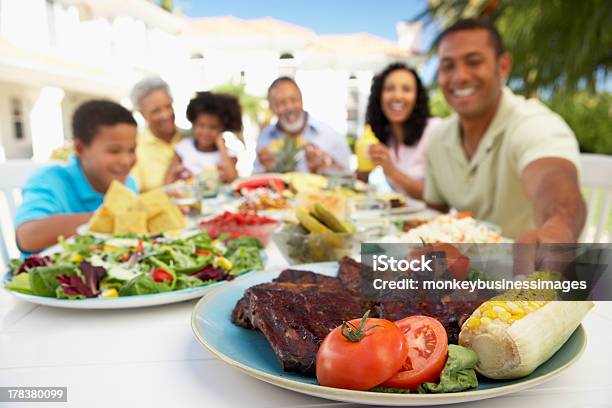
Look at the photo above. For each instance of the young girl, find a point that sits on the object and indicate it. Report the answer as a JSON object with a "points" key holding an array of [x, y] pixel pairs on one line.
{"points": [[211, 115]]}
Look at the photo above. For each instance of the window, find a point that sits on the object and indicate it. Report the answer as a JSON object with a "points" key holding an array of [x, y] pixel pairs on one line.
{"points": [[352, 106], [51, 34], [17, 118]]}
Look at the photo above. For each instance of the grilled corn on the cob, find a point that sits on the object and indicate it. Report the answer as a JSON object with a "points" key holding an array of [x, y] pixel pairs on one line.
{"points": [[512, 338]]}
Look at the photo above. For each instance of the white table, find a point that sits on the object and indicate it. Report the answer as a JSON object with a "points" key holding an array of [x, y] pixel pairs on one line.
{"points": [[150, 358]]}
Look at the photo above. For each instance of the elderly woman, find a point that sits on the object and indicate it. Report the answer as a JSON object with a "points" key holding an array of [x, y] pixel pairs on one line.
{"points": [[156, 143], [398, 131]]}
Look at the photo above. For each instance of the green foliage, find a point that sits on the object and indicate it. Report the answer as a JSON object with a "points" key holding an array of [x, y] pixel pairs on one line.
{"points": [[351, 139], [286, 158], [252, 106], [437, 104], [558, 44], [167, 5], [589, 116]]}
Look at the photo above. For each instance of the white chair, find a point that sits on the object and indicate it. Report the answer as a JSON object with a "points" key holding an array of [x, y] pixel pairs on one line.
{"points": [[596, 179], [13, 175]]}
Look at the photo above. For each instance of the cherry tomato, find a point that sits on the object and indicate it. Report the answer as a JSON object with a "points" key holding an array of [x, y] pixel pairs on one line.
{"points": [[458, 264], [427, 351], [202, 252], [161, 275], [360, 354]]}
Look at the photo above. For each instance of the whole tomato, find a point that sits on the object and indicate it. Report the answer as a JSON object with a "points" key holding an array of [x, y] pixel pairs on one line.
{"points": [[361, 354]]}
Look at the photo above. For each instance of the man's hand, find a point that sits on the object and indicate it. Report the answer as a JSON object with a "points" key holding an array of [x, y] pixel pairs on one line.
{"points": [[553, 231], [317, 160], [266, 159], [542, 248], [552, 185]]}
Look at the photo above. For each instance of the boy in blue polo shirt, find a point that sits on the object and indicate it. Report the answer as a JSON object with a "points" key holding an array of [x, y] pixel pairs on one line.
{"points": [[59, 198]]}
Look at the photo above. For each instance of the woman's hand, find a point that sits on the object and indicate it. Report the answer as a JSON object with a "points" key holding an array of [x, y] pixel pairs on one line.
{"points": [[380, 156], [176, 171]]}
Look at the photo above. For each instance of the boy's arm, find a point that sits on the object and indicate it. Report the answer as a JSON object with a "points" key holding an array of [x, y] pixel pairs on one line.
{"points": [[33, 236]]}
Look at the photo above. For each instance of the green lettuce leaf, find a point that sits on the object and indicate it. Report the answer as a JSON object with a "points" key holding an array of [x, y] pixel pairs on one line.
{"points": [[143, 285], [245, 259], [43, 279], [187, 281], [20, 283], [60, 294], [458, 373]]}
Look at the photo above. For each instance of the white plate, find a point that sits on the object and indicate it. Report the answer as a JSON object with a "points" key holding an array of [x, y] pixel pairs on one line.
{"points": [[83, 229], [125, 302]]}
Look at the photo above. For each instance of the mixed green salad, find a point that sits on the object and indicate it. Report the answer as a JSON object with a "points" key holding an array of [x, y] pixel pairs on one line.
{"points": [[127, 265]]}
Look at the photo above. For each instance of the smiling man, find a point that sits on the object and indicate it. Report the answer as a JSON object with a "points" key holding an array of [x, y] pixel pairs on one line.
{"points": [[324, 148], [59, 198], [509, 160]]}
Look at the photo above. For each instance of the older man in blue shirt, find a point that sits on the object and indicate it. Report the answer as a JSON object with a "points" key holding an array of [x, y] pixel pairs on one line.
{"points": [[324, 147]]}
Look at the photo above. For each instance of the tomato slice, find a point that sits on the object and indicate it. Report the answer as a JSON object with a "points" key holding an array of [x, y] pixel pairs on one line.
{"points": [[363, 363], [427, 351], [160, 275]]}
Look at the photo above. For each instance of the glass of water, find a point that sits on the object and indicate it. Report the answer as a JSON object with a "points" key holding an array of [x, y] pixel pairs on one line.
{"points": [[370, 215]]}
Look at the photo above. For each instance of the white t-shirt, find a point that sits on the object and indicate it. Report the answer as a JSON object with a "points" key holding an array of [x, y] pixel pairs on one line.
{"points": [[195, 160]]}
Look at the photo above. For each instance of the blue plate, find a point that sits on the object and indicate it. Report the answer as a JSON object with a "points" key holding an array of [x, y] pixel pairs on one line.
{"points": [[250, 352]]}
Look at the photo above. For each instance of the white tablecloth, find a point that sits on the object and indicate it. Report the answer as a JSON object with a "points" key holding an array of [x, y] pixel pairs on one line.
{"points": [[150, 358]]}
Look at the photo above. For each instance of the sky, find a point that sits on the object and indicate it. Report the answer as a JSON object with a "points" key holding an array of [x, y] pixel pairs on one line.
{"points": [[376, 17], [321, 16]]}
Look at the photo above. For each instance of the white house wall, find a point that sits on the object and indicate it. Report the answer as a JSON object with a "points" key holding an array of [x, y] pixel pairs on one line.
{"points": [[11, 147]]}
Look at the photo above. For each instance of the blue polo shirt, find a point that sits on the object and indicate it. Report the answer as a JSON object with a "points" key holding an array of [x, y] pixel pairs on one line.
{"points": [[59, 189], [315, 132]]}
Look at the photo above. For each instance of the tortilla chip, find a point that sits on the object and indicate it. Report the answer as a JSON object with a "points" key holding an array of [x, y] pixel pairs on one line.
{"points": [[170, 219], [153, 202], [130, 222], [102, 221], [119, 198]]}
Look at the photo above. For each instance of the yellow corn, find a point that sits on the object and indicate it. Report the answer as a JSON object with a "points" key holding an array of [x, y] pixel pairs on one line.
{"points": [[500, 312], [76, 258], [512, 338], [110, 293]]}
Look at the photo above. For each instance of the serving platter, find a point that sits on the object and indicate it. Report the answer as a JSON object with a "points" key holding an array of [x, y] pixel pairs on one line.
{"points": [[249, 352]]}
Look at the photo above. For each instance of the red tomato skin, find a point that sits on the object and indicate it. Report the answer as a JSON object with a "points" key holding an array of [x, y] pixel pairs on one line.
{"points": [[159, 275], [411, 379], [361, 365]]}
